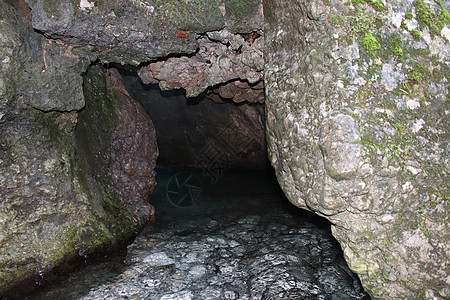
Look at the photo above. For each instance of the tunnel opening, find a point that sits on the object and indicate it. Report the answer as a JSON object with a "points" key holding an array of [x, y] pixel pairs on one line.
{"points": [[224, 220], [210, 178], [223, 227], [207, 131]]}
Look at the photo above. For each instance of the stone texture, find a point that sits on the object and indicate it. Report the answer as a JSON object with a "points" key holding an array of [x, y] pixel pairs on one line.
{"points": [[49, 71], [133, 150], [51, 209], [131, 32], [121, 31], [222, 57], [238, 91], [52, 80], [247, 243], [357, 128], [243, 16]]}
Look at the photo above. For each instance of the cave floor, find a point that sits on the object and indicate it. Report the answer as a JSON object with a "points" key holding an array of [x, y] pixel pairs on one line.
{"points": [[234, 236]]}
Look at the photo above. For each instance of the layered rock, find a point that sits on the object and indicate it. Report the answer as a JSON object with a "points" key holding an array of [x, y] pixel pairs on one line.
{"points": [[222, 57], [357, 126], [131, 32], [238, 91]]}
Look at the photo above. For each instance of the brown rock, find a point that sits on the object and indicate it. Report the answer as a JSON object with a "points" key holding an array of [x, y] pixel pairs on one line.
{"points": [[134, 152], [222, 57], [238, 91]]}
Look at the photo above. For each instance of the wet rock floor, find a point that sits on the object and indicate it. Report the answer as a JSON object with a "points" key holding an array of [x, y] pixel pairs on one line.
{"points": [[238, 238]]}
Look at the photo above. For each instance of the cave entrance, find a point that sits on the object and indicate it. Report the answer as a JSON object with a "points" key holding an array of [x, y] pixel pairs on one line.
{"points": [[203, 138], [227, 232], [222, 213]]}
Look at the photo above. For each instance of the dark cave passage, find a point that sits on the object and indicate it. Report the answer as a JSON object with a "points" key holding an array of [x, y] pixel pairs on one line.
{"points": [[201, 132], [204, 144], [223, 228]]}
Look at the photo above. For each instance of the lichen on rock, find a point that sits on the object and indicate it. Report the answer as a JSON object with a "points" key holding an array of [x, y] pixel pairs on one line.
{"points": [[357, 131]]}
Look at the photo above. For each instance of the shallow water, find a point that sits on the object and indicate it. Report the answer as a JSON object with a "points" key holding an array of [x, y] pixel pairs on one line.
{"points": [[237, 238]]}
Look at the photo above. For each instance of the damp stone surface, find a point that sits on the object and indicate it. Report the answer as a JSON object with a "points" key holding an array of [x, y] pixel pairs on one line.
{"points": [[248, 243]]}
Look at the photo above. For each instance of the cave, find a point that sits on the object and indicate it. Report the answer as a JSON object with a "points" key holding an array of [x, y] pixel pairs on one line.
{"points": [[212, 173], [123, 121]]}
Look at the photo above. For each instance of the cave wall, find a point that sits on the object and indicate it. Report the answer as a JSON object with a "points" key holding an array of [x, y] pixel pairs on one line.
{"points": [[357, 97], [48, 214], [64, 169], [357, 122]]}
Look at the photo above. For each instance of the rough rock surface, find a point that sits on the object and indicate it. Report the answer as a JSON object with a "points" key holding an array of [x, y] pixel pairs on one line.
{"points": [[49, 72], [357, 126], [238, 91], [133, 150], [200, 132], [222, 57], [57, 195], [131, 32], [50, 210]]}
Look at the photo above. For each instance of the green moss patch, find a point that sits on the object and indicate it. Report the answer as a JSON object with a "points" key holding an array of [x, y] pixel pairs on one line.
{"points": [[395, 46], [408, 15], [427, 18], [357, 22], [419, 73], [371, 44], [374, 3], [416, 34]]}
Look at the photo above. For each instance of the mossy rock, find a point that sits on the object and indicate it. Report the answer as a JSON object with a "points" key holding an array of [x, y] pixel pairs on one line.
{"points": [[195, 15]]}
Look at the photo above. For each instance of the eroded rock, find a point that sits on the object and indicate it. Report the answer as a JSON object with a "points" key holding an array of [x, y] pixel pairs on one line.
{"points": [[238, 91], [131, 32], [222, 57], [133, 150], [354, 133], [53, 208]]}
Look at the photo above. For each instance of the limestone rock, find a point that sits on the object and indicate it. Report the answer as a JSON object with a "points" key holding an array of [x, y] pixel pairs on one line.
{"points": [[46, 215], [120, 31], [131, 32], [133, 151], [49, 72], [243, 16], [222, 57], [357, 130], [53, 81], [238, 91], [52, 208]]}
